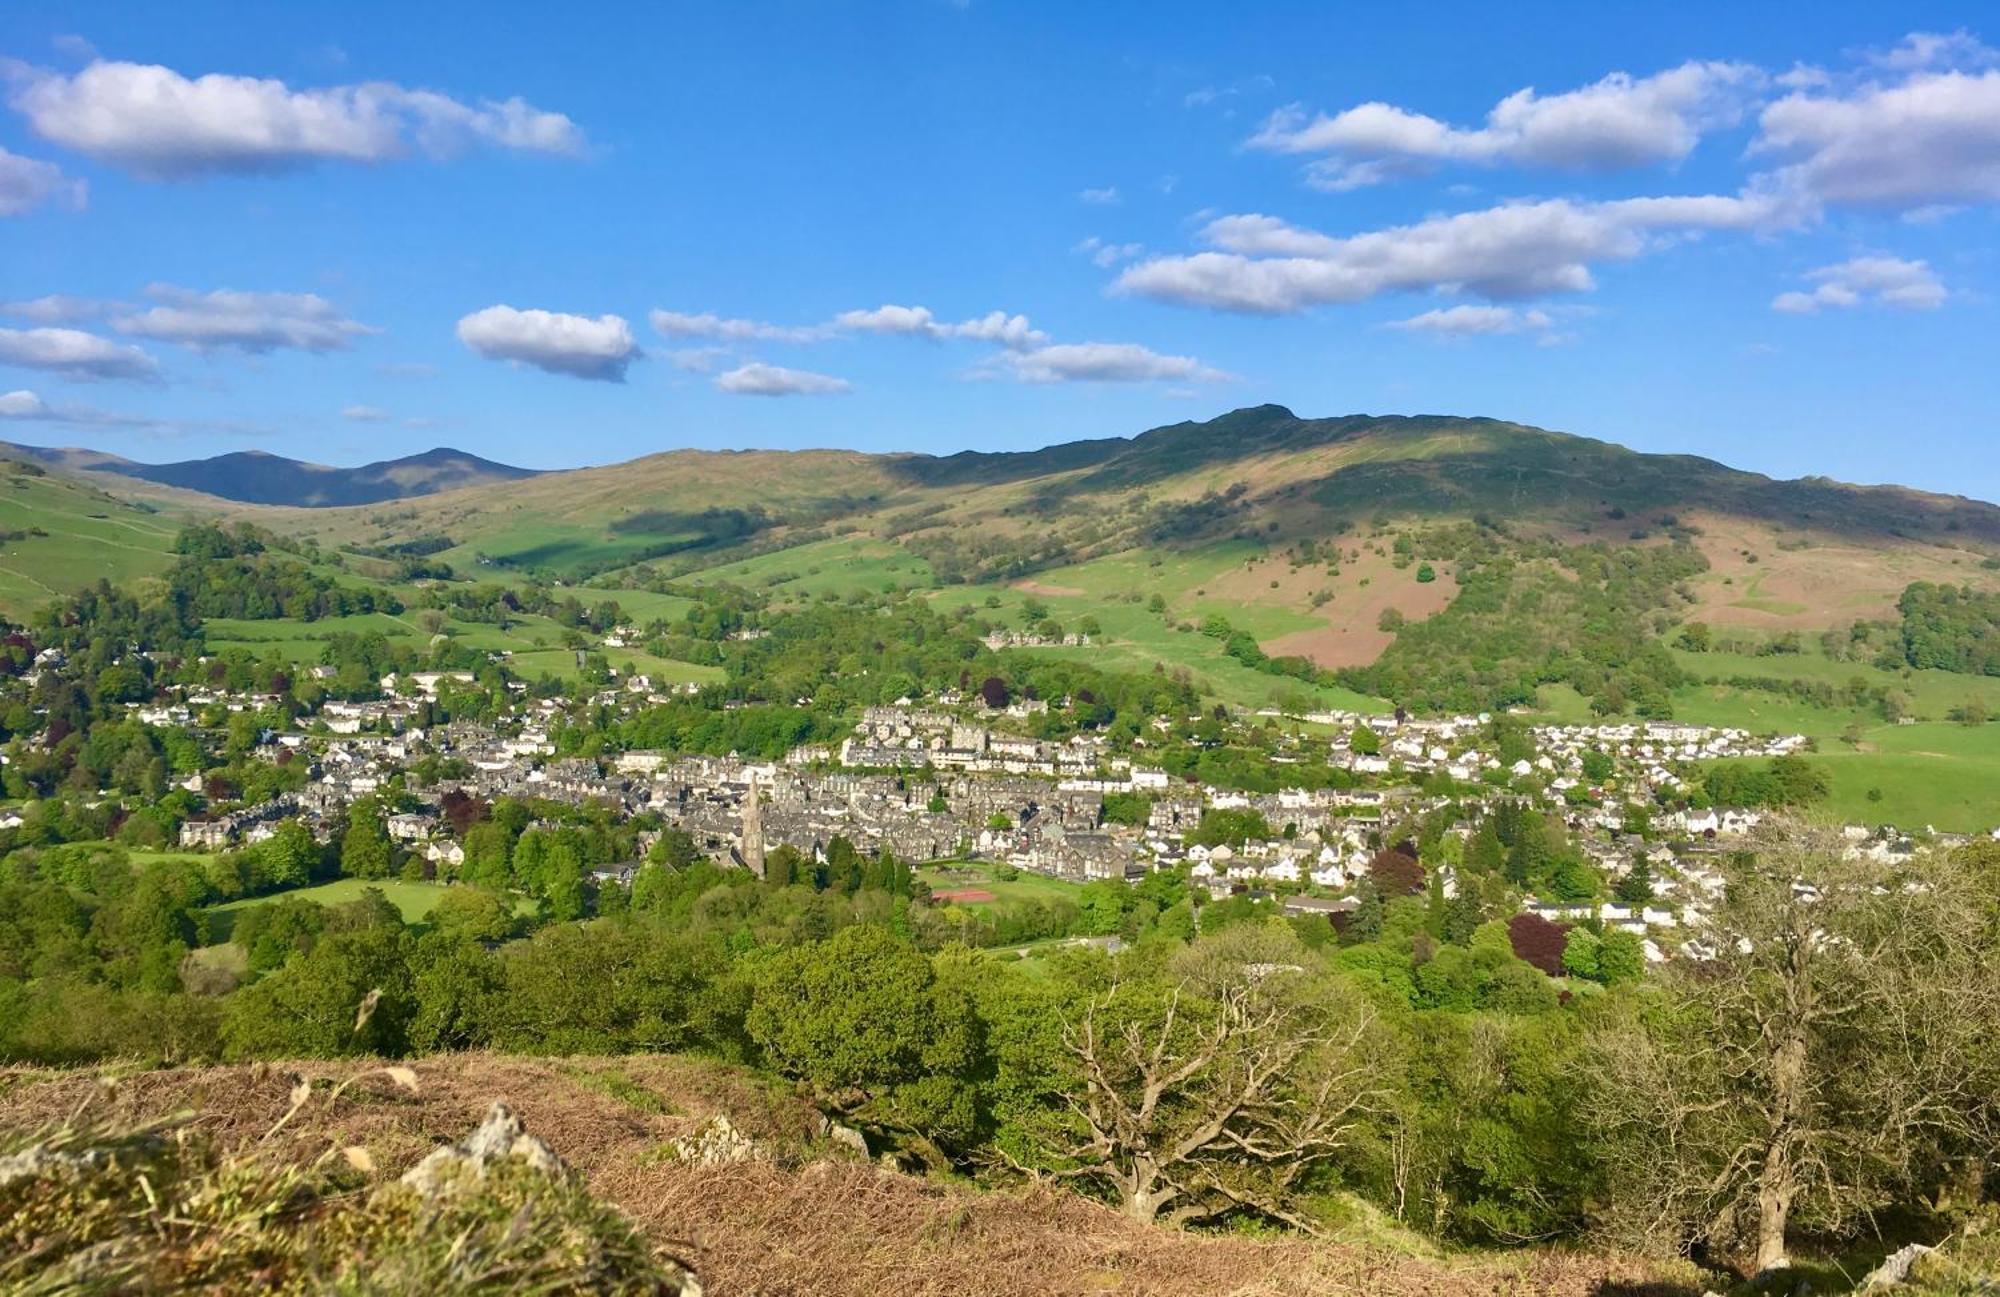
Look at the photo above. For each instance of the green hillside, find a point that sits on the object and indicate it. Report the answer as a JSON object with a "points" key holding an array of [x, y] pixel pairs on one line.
{"points": [[61, 535]]}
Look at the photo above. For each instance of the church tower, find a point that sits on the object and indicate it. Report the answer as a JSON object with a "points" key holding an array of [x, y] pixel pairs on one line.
{"points": [[751, 848]]}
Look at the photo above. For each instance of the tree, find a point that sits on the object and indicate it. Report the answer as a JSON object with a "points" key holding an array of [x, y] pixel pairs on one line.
{"points": [[1217, 1082], [1834, 1038], [364, 848], [289, 855], [875, 1030], [472, 913], [1538, 941], [348, 995]]}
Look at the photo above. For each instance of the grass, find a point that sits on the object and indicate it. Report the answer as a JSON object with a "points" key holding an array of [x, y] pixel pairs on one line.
{"points": [[88, 536], [1024, 886], [1135, 639], [414, 901], [840, 566], [561, 663]]}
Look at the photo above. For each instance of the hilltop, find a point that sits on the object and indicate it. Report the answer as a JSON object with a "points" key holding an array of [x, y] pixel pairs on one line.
{"points": [[259, 477], [777, 1206]]}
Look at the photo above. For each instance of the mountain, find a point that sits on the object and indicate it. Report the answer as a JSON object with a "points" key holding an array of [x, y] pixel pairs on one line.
{"points": [[1261, 484], [257, 477]]}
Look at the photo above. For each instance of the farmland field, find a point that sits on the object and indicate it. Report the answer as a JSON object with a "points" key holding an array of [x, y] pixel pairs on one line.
{"points": [[414, 900]]}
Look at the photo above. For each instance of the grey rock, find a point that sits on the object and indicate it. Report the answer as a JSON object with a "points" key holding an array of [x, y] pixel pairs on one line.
{"points": [[1895, 1268], [500, 1135]]}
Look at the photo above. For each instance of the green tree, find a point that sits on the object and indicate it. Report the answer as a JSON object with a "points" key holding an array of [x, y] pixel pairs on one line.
{"points": [[874, 1030], [364, 848]]}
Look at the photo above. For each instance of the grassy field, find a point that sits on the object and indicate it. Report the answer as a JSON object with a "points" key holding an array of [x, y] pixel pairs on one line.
{"points": [[561, 663], [414, 900], [88, 535], [1926, 775], [642, 607], [1932, 694], [840, 566], [1024, 886], [1134, 639]]}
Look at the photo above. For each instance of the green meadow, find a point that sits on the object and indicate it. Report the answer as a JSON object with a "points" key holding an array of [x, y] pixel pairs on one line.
{"points": [[839, 566], [88, 536], [414, 901]]}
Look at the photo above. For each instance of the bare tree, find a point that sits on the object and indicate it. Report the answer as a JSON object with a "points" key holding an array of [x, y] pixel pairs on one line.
{"points": [[1221, 1085], [1827, 1039]]}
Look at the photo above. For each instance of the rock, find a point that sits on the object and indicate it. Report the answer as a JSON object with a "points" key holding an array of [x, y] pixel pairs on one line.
{"points": [[500, 1135], [848, 1138], [718, 1143], [1895, 1268]]}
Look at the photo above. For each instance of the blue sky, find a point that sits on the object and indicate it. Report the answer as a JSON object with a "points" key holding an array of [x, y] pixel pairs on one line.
{"points": [[351, 232]]}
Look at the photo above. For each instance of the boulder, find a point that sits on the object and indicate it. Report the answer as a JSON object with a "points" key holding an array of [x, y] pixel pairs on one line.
{"points": [[499, 1135]]}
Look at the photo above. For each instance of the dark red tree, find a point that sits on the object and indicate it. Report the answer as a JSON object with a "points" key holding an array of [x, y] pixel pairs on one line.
{"points": [[1538, 941]]}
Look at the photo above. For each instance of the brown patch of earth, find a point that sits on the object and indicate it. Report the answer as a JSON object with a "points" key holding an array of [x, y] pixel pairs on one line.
{"points": [[1048, 591], [1829, 581], [807, 1219], [1351, 635]]}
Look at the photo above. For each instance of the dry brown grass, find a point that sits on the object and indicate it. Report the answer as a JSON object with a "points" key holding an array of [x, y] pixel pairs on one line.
{"points": [[807, 1222]]}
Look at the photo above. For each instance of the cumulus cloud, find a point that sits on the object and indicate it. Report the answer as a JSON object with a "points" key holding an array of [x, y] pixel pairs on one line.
{"points": [[27, 407], [57, 308], [561, 344], [676, 324], [1469, 321], [1100, 197], [1920, 51], [1933, 138], [366, 414], [28, 183], [1270, 267], [756, 379], [74, 354], [159, 124], [250, 322], [1618, 122], [22, 404], [1100, 362], [1011, 331], [1884, 281]]}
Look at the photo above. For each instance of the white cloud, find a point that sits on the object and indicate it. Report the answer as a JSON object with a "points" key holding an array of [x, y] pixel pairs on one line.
{"points": [[1932, 139], [1106, 255], [1469, 321], [1620, 121], [1516, 250], [366, 414], [252, 322], [561, 344], [675, 324], [57, 308], [1011, 331], [157, 123], [697, 360], [1885, 281], [74, 354], [22, 404], [1099, 362], [1100, 197], [756, 379], [27, 407], [28, 183], [1920, 51]]}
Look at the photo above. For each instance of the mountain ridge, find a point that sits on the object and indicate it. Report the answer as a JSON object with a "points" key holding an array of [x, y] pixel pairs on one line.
{"points": [[263, 477]]}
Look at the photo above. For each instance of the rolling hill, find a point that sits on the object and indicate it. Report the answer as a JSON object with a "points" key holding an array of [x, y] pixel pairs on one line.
{"points": [[257, 477]]}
